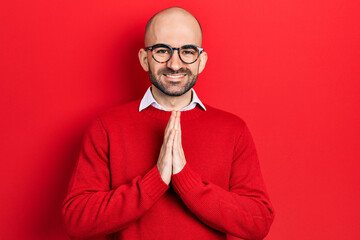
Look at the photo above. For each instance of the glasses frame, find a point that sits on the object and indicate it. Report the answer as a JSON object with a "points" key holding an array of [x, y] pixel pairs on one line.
{"points": [[151, 48]]}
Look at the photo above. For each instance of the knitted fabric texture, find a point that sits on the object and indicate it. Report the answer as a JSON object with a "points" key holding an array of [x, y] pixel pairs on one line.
{"points": [[116, 191]]}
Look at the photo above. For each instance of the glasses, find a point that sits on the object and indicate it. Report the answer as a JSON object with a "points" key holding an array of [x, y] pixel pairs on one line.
{"points": [[162, 53]]}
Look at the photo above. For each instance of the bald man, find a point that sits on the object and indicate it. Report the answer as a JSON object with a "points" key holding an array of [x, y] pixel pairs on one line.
{"points": [[168, 166]]}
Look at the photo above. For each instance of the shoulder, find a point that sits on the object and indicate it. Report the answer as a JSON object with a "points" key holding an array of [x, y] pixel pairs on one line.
{"points": [[120, 114], [126, 108], [229, 123], [225, 117]]}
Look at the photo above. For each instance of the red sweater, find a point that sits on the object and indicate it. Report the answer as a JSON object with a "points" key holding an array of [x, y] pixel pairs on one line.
{"points": [[116, 191]]}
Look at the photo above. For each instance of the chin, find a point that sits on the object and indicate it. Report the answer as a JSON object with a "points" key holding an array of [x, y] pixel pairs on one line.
{"points": [[174, 89], [173, 93]]}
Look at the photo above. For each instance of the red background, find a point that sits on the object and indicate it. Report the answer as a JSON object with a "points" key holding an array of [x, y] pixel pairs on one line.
{"points": [[289, 68]]}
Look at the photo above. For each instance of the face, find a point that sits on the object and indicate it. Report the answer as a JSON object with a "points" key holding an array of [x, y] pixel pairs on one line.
{"points": [[173, 78], [173, 81]]}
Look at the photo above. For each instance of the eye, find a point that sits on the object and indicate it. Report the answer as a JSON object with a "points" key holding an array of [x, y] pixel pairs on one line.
{"points": [[188, 52], [161, 51]]}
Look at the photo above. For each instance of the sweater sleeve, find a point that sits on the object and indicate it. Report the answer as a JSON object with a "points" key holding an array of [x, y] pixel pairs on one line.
{"points": [[244, 210], [91, 206]]}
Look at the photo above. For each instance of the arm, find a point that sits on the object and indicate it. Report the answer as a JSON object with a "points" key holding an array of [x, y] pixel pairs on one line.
{"points": [[91, 207], [245, 210]]}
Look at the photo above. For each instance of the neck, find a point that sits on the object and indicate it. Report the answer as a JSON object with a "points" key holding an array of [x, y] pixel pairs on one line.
{"points": [[171, 103]]}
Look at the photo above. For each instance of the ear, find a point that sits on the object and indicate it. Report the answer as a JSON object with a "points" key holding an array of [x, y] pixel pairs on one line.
{"points": [[202, 61], [143, 58]]}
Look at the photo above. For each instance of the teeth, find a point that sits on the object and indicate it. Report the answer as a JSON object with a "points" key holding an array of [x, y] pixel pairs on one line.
{"points": [[174, 76]]}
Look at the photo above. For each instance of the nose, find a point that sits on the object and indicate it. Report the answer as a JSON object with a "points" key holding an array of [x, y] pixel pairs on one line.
{"points": [[175, 62]]}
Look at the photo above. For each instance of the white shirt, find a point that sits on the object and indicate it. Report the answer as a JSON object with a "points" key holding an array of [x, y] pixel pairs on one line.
{"points": [[149, 99]]}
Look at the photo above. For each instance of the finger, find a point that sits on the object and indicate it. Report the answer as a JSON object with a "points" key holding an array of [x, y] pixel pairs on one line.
{"points": [[175, 147], [169, 125], [179, 124], [170, 122], [176, 139], [179, 145], [178, 127], [178, 159], [176, 121], [170, 142]]}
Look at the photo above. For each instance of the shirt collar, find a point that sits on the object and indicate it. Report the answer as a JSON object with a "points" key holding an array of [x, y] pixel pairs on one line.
{"points": [[148, 100]]}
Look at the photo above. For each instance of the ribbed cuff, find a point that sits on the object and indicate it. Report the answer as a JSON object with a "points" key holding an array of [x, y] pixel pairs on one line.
{"points": [[153, 184], [185, 180]]}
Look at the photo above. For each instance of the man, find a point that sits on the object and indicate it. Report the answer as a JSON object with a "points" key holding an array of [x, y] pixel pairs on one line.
{"points": [[168, 166]]}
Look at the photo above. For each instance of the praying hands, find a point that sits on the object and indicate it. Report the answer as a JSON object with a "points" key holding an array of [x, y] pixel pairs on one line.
{"points": [[171, 158]]}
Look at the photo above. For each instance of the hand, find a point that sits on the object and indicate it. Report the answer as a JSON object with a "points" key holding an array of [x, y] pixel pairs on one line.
{"points": [[178, 156], [164, 163]]}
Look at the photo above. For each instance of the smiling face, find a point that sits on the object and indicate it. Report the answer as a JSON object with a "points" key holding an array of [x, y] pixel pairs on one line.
{"points": [[173, 83], [174, 27]]}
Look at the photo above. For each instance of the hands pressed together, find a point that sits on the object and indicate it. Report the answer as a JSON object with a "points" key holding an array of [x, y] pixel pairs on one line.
{"points": [[171, 158]]}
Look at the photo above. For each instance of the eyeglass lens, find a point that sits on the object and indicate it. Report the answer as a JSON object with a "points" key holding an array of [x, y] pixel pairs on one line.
{"points": [[188, 53]]}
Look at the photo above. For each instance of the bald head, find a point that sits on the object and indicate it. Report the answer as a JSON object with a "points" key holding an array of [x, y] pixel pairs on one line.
{"points": [[171, 24]]}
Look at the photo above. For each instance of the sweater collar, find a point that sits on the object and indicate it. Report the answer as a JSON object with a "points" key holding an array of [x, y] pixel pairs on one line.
{"points": [[156, 113], [149, 100]]}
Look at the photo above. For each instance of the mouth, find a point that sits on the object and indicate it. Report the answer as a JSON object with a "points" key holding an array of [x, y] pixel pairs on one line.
{"points": [[175, 76]]}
